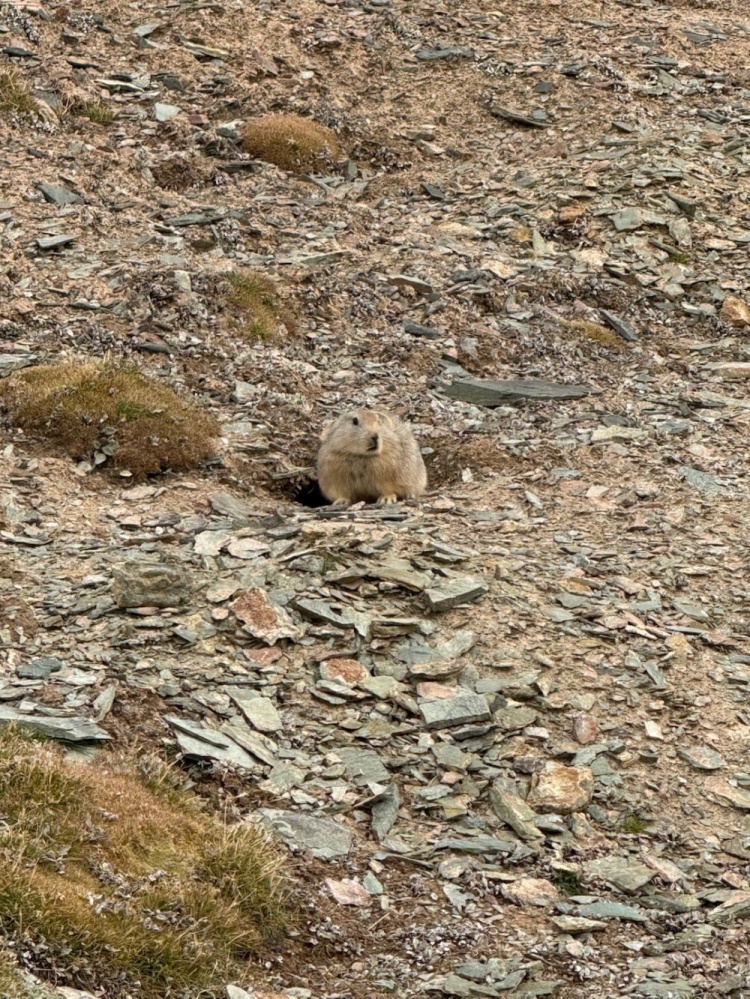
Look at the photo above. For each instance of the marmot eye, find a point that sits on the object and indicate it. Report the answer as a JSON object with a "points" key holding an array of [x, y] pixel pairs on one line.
{"points": [[355, 421]]}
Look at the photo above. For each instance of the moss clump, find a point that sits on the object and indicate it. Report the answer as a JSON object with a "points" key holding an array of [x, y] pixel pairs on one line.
{"points": [[678, 257], [290, 142], [106, 885], [111, 412], [634, 825], [255, 300], [14, 95], [568, 882]]}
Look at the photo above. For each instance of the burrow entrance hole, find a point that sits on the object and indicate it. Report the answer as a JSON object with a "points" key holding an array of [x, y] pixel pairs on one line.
{"points": [[308, 494]]}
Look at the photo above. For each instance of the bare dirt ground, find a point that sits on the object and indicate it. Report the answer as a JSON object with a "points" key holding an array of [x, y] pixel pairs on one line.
{"points": [[565, 188]]}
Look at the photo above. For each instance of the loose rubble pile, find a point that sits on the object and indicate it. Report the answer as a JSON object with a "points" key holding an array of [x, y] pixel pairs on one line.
{"points": [[502, 732]]}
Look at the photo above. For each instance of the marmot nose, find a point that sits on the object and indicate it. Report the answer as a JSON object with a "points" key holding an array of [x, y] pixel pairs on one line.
{"points": [[374, 440]]}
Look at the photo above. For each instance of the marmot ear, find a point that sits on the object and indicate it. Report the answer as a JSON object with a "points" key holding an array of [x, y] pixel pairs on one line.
{"points": [[326, 432]]}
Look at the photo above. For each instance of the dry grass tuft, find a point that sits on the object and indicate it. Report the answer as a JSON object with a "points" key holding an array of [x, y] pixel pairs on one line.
{"points": [[255, 300], [106, 885], [97, 111], [594, 332], [14, 95], [109, 412], [290, 142]]}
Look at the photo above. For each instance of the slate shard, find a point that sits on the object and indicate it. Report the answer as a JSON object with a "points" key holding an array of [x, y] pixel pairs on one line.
{"points": [[490, 393]]}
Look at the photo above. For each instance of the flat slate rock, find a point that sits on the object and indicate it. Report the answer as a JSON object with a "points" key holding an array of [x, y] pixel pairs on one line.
{"points": [[259, 746], [619, 325], [735, 906], [71, 729], [14, 362], [517, 118], [699, 757], [728, 794], [462, 590], [409, 281], [229, 506], [54, 242], [561, 789], [282, 778], [260, 712], [513, 810], [202, 742], [577, 924], [613, 910], [385, 811], [17, 52], [451, 52], [344, 617], [615, 433], [363, 766], [40, 669], [323, 837], [477, 844], [56, 194], [488, 392], [207, 217], [454, 985], [701, 481], [461, 709], [625, 874], [416, 329], [165, 112], [262, 619]]}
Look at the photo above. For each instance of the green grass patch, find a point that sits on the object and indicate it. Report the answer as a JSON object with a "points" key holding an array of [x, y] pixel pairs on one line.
{"points": [[105, 884], [568, 882], [112, 413], [634, 825], [257, 305]]}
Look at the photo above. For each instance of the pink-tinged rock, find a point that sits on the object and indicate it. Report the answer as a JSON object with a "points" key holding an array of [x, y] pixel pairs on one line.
{"points": [[585, 729], [735, 312], [562, 789], [436, 691], [531, 891], [349, 671], [263, 619], [348, 892]]}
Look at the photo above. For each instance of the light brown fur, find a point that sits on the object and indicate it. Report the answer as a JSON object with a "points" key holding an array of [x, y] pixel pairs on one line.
{"points": [[373, 460]]}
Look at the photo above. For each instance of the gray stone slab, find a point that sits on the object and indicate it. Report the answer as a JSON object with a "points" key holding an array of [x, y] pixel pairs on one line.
{"points": [[73, 729], [461, 709], [487, 392], [462, 590], [323, 837]]}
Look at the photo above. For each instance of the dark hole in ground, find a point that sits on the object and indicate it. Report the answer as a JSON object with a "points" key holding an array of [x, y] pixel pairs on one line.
{"points": [[309, 494]]}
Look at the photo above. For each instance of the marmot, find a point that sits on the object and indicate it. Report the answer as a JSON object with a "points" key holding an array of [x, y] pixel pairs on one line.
{"points": [[367, 455]]}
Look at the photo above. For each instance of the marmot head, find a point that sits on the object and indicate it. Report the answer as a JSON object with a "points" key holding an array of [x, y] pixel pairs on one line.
{"points": [[358, 432]]}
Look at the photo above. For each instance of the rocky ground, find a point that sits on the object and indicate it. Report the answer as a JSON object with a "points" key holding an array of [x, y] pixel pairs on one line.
{"points": [[503, 732]]}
